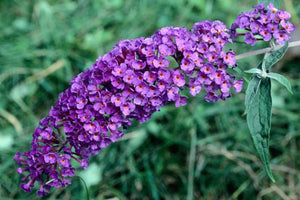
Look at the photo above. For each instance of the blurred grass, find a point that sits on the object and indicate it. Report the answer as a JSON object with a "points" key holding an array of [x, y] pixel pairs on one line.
{"points": [[200, 151]]}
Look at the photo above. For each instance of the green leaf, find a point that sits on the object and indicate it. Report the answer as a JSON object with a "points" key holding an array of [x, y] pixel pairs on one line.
{"points": [[254, 71], [275, 56], [51, 180], [282, 80], [275, 2], [85, 187], [251, 91], [258, 106]]}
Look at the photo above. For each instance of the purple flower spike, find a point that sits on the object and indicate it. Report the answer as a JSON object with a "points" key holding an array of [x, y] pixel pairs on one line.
{"points": [[131, 82], [263, 24]]}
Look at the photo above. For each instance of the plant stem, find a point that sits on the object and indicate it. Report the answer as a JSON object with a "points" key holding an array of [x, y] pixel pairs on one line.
{"points": [[190, 192], [265, 50]]}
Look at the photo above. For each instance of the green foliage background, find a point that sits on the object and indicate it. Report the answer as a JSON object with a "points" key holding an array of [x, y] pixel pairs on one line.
{"points": [[200, 151]]}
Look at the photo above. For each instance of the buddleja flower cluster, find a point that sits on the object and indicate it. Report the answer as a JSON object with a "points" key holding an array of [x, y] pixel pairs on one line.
{"points": [[267, 24], [130, 82]]}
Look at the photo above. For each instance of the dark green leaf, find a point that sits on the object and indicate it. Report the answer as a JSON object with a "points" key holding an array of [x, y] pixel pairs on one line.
{"points": [[275, 2], [275, 56], [258, 105], [251, 91], [282, 80], [85, 187]]}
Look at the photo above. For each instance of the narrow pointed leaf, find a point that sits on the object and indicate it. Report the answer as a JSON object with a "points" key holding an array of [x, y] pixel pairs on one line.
{"points": [[258, 105], [275, 56], [282, 80], [85, 187], [252, 91], [254, 71]]}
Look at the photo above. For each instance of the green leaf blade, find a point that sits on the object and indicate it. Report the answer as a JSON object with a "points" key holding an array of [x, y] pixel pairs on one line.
{"points": [[251, 92], [254, 71], [282, 80], [259, 105], [275, 56]]}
